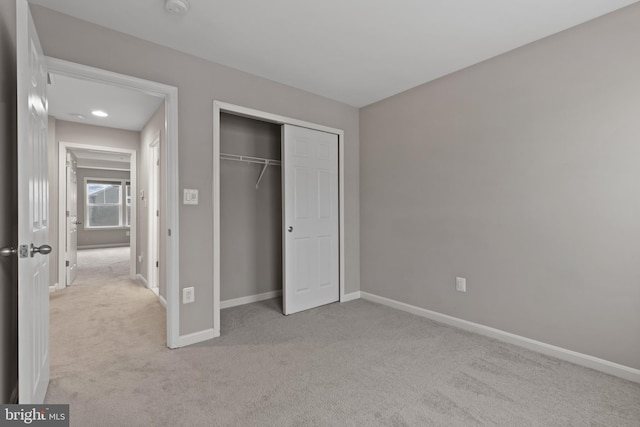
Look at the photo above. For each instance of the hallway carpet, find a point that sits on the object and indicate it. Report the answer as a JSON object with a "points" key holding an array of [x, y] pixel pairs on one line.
{"points": [[351, 364]]}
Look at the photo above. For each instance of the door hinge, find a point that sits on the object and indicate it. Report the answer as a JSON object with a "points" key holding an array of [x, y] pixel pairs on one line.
{"points": [[67, 263], [157, 264], [67, 214], [169, 232], [157, 213]]}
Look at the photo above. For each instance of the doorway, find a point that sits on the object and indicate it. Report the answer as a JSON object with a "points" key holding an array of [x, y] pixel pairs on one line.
{"points": [[169, 168], [95, 206], [220, 108]]}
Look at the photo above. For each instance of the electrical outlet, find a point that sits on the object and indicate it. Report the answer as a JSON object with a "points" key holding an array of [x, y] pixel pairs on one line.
{"points": [[188, 295], [461, 284]]}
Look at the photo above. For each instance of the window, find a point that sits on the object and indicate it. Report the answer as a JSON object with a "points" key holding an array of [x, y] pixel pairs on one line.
{"points": [[106, 205]]}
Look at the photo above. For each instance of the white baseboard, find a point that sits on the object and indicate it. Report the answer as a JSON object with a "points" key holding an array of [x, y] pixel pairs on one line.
{"points": [[163, 302], [196, 337], [272, 294], [53, 288], [140, 278], [581, 359], [106, 245], [350, 296], [248, 300]]}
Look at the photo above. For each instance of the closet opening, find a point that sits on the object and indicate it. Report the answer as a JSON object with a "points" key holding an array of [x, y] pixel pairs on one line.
{"points": [[250, 211], [278, 211]]}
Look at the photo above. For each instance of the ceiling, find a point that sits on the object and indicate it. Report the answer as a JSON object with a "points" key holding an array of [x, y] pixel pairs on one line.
{"points": [[127, 109], [355, 51]]}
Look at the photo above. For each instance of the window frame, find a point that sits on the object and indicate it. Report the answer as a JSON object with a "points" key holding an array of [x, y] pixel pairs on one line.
{"points": [[122, 203]]}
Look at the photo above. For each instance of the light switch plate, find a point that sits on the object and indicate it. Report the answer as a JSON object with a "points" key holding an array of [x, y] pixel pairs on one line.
{"points": [[190, 196], [188, 295]]}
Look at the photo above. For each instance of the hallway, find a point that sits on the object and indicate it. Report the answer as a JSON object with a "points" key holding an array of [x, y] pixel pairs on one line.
{"points": [[102, 264], [87, 323]]}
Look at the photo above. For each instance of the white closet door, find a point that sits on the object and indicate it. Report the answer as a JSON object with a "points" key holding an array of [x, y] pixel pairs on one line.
{"points": [[310, 225]]}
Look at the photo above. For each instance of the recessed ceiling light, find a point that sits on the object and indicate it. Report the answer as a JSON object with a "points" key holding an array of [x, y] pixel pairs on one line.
{"points": [[77, 116], [99, 113]]}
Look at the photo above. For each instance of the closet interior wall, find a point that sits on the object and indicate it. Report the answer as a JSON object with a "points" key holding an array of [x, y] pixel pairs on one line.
{"points": [[250, 218]]}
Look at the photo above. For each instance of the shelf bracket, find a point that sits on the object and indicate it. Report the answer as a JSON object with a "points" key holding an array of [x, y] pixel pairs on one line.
{"points": [[264, 169]]}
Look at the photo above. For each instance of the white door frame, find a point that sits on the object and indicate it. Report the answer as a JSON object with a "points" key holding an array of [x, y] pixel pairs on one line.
{"points": [[63, 147], [70, 159], [170, 95], [153, 275], [223, 107]]}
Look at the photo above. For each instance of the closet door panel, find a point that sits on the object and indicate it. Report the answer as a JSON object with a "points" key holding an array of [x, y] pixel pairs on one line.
{"points": [[301, 257], [301, 200], [310, 206]]}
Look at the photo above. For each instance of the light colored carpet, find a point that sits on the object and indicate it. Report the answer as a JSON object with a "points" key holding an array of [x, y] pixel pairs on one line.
{"points": [[351, 364]]}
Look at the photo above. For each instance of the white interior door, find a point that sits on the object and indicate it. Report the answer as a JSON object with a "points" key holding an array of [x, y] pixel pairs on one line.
{"points": [[311, 218], [72, 218], [154, 215], [33, 219]]}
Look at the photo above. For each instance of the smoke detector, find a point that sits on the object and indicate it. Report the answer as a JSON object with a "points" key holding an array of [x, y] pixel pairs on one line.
{"points": [[177, 7]]}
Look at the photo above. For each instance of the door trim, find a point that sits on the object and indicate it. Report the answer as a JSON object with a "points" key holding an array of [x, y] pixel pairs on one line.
{"points": [[65, 199], [153, 226], [62, 148], [223, 107], [170, 95]]}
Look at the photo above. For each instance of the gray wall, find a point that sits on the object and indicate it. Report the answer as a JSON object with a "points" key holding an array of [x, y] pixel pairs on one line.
{"points": [[250, 218], [8, 203], [64, 131], [96, 135], [521, 174], [155, 125], [199, 82], [92, 237]]}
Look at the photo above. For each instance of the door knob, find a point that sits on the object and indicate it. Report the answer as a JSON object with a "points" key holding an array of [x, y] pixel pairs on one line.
{"points": [[42, 249], [290, 229], [8, 251], [78, 222]]}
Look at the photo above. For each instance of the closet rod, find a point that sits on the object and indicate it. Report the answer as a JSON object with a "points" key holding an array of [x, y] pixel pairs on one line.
{"points": [[254, 160], [250, 159]]}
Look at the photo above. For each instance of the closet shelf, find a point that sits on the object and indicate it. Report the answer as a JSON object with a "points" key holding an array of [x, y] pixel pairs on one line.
{"points": [[249, 159], [253, 160]]}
